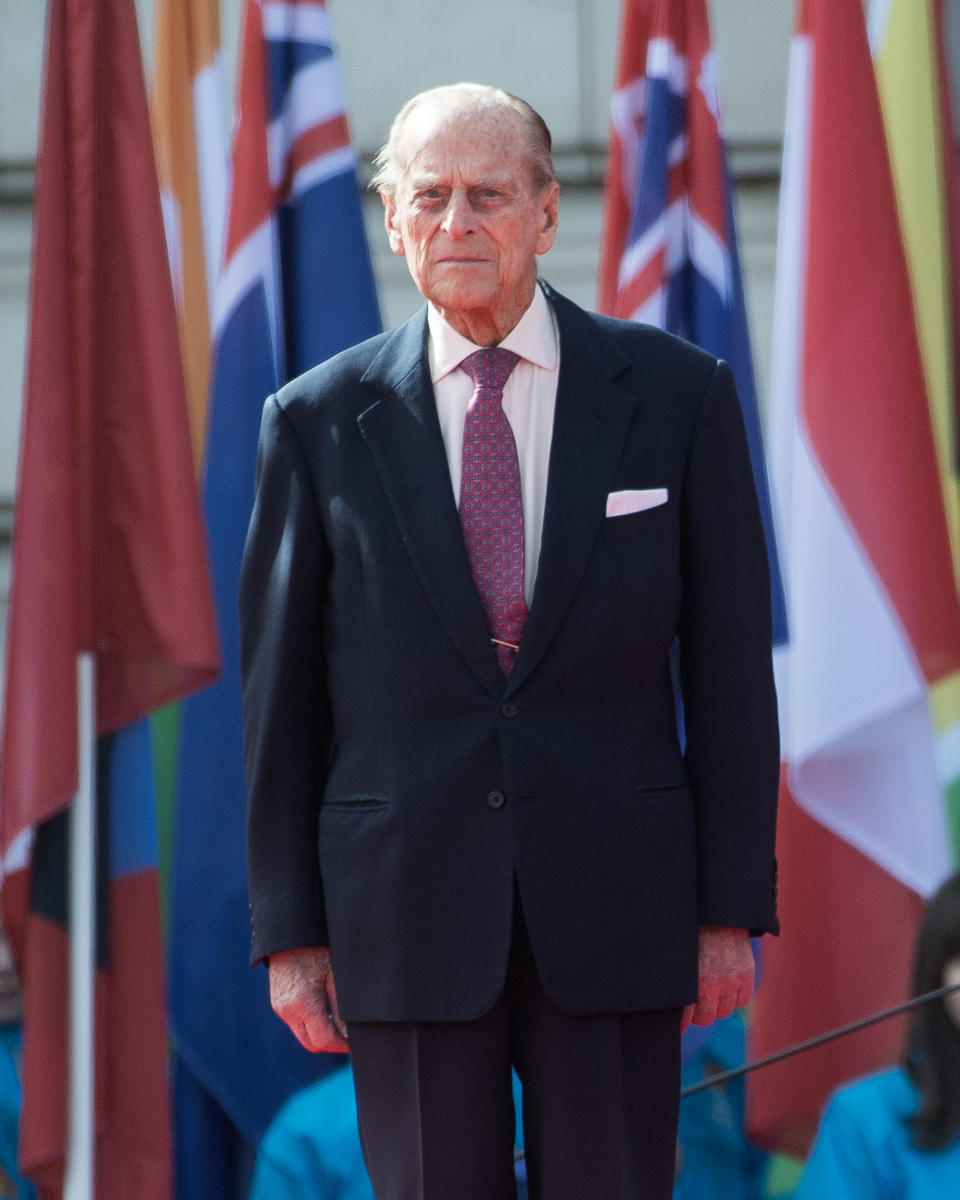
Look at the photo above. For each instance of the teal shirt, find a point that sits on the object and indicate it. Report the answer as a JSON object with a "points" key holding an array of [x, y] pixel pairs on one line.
{"points": [[715, 1159], [11, 1183], [863, 1149], [312, 1149]]}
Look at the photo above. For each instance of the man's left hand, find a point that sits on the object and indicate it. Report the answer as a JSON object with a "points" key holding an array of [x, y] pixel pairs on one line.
{"points": [[726, 975]]}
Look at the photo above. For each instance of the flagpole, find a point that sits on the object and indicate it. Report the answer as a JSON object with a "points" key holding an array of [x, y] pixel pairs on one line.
{"points": [[79, 1173]]}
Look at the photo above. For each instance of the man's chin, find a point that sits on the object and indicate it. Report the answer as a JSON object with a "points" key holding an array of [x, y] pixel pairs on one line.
{"points": [[463, 297]]}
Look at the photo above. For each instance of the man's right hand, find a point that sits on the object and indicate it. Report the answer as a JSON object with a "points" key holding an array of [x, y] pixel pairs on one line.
{"points": [[303, 995]]}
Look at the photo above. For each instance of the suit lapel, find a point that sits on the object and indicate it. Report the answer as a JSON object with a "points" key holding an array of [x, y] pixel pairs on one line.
{"points": [[592, 417], [402, 431]]}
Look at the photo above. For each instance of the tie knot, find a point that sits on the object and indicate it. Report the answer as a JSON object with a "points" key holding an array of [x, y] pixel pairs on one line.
{"points": [[490, 367]]}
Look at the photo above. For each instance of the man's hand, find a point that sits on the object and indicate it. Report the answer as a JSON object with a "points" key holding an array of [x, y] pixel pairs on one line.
{"points": [[303, 995], [726, 975]]}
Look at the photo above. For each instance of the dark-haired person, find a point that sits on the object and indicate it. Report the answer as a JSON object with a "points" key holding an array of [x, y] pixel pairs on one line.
{"points": [[895, 1135]]}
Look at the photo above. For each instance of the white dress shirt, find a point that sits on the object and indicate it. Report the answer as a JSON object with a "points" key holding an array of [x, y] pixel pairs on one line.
{"points": [[529, 400]]}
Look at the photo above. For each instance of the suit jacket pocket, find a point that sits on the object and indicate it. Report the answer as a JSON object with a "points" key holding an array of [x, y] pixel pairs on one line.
{"points": [[353, 804], [669, 805]]}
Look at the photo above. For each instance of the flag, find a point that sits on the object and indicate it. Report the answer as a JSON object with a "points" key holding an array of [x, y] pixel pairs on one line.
{"points": [[108, 559], [296, 287], [872, 600], [949, 126], [190, 140], [907, 41], [669, 244]]}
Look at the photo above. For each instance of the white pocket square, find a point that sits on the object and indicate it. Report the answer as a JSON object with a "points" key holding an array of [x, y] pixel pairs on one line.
{"points": [[634, 500]]}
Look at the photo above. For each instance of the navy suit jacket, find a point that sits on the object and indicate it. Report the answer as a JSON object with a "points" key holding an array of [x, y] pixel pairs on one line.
{"points": [[398, 784]]}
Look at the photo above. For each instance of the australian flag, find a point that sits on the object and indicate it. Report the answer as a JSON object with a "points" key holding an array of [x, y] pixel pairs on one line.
{"points": [[295, 287], [669, 248]]}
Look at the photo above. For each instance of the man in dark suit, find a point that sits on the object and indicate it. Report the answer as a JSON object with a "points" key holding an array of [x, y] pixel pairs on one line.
{"points": [[469, 802]]}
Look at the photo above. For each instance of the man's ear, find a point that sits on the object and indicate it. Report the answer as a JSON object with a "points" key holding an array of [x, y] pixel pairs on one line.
{"points": [[391, 225], [549, 205]]}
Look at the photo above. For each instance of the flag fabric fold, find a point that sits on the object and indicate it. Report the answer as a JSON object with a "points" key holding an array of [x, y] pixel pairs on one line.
{"points": [[669, 254], [296, 287], [109, 554], [187, 110], [189, 133], [109, 558], [872, 601], [909, 54]]}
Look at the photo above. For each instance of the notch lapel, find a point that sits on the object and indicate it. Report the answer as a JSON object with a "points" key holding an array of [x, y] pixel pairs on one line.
{"points": [[593, 415], [402, 431]]}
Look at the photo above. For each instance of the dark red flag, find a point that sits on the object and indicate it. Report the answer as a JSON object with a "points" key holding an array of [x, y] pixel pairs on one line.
{"points": [[109, 552], [109, 558]]}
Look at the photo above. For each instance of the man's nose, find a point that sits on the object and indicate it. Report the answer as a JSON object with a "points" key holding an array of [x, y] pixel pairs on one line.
{"points": [[459, 218]]}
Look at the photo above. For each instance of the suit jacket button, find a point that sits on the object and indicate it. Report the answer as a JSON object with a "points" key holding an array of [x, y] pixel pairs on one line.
{"points": [[496, 799], [509, 709]]}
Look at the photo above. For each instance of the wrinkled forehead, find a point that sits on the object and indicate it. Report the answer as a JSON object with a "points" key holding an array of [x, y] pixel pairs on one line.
{"points": [[439, 140]]}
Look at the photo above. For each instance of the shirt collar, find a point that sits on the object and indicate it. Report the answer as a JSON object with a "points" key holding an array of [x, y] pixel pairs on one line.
{"points": [[534, 337]]}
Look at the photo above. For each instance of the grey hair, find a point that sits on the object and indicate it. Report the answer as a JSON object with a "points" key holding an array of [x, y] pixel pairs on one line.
{"points": [[471, 98]]}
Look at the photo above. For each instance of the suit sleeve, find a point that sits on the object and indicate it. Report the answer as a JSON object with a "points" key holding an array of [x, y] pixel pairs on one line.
{"points": [[730, 706], [286, 715]]}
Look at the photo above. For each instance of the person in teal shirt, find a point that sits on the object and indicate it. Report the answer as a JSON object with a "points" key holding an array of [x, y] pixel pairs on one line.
{"points": [[714, 1158], [312, 1149], [12, 1185], [895, 1135], [865, 1151]]}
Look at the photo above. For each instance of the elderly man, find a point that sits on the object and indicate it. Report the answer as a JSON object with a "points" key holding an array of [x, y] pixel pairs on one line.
{"points": [[476, 839]]}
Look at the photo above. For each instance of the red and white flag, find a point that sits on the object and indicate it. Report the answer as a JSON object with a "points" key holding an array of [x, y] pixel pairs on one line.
{"points": [[872, 603]]}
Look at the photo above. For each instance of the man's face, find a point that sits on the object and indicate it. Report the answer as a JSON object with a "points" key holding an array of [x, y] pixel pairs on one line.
{"points": [[468, 219]]}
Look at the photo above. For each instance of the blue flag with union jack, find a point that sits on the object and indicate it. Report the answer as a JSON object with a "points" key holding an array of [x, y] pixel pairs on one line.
{"points": [[295, 287], [669, 248]]}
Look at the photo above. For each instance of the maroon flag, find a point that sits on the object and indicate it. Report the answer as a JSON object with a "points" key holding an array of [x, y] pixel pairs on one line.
{"points": [[109, 551], [109, 558]]}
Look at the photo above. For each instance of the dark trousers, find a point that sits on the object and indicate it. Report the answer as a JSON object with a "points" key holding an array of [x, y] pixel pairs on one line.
{"points": [[600, 1099]]}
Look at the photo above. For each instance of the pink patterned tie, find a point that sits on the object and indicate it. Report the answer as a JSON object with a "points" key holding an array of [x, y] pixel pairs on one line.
{"points": [[491, 502]]}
